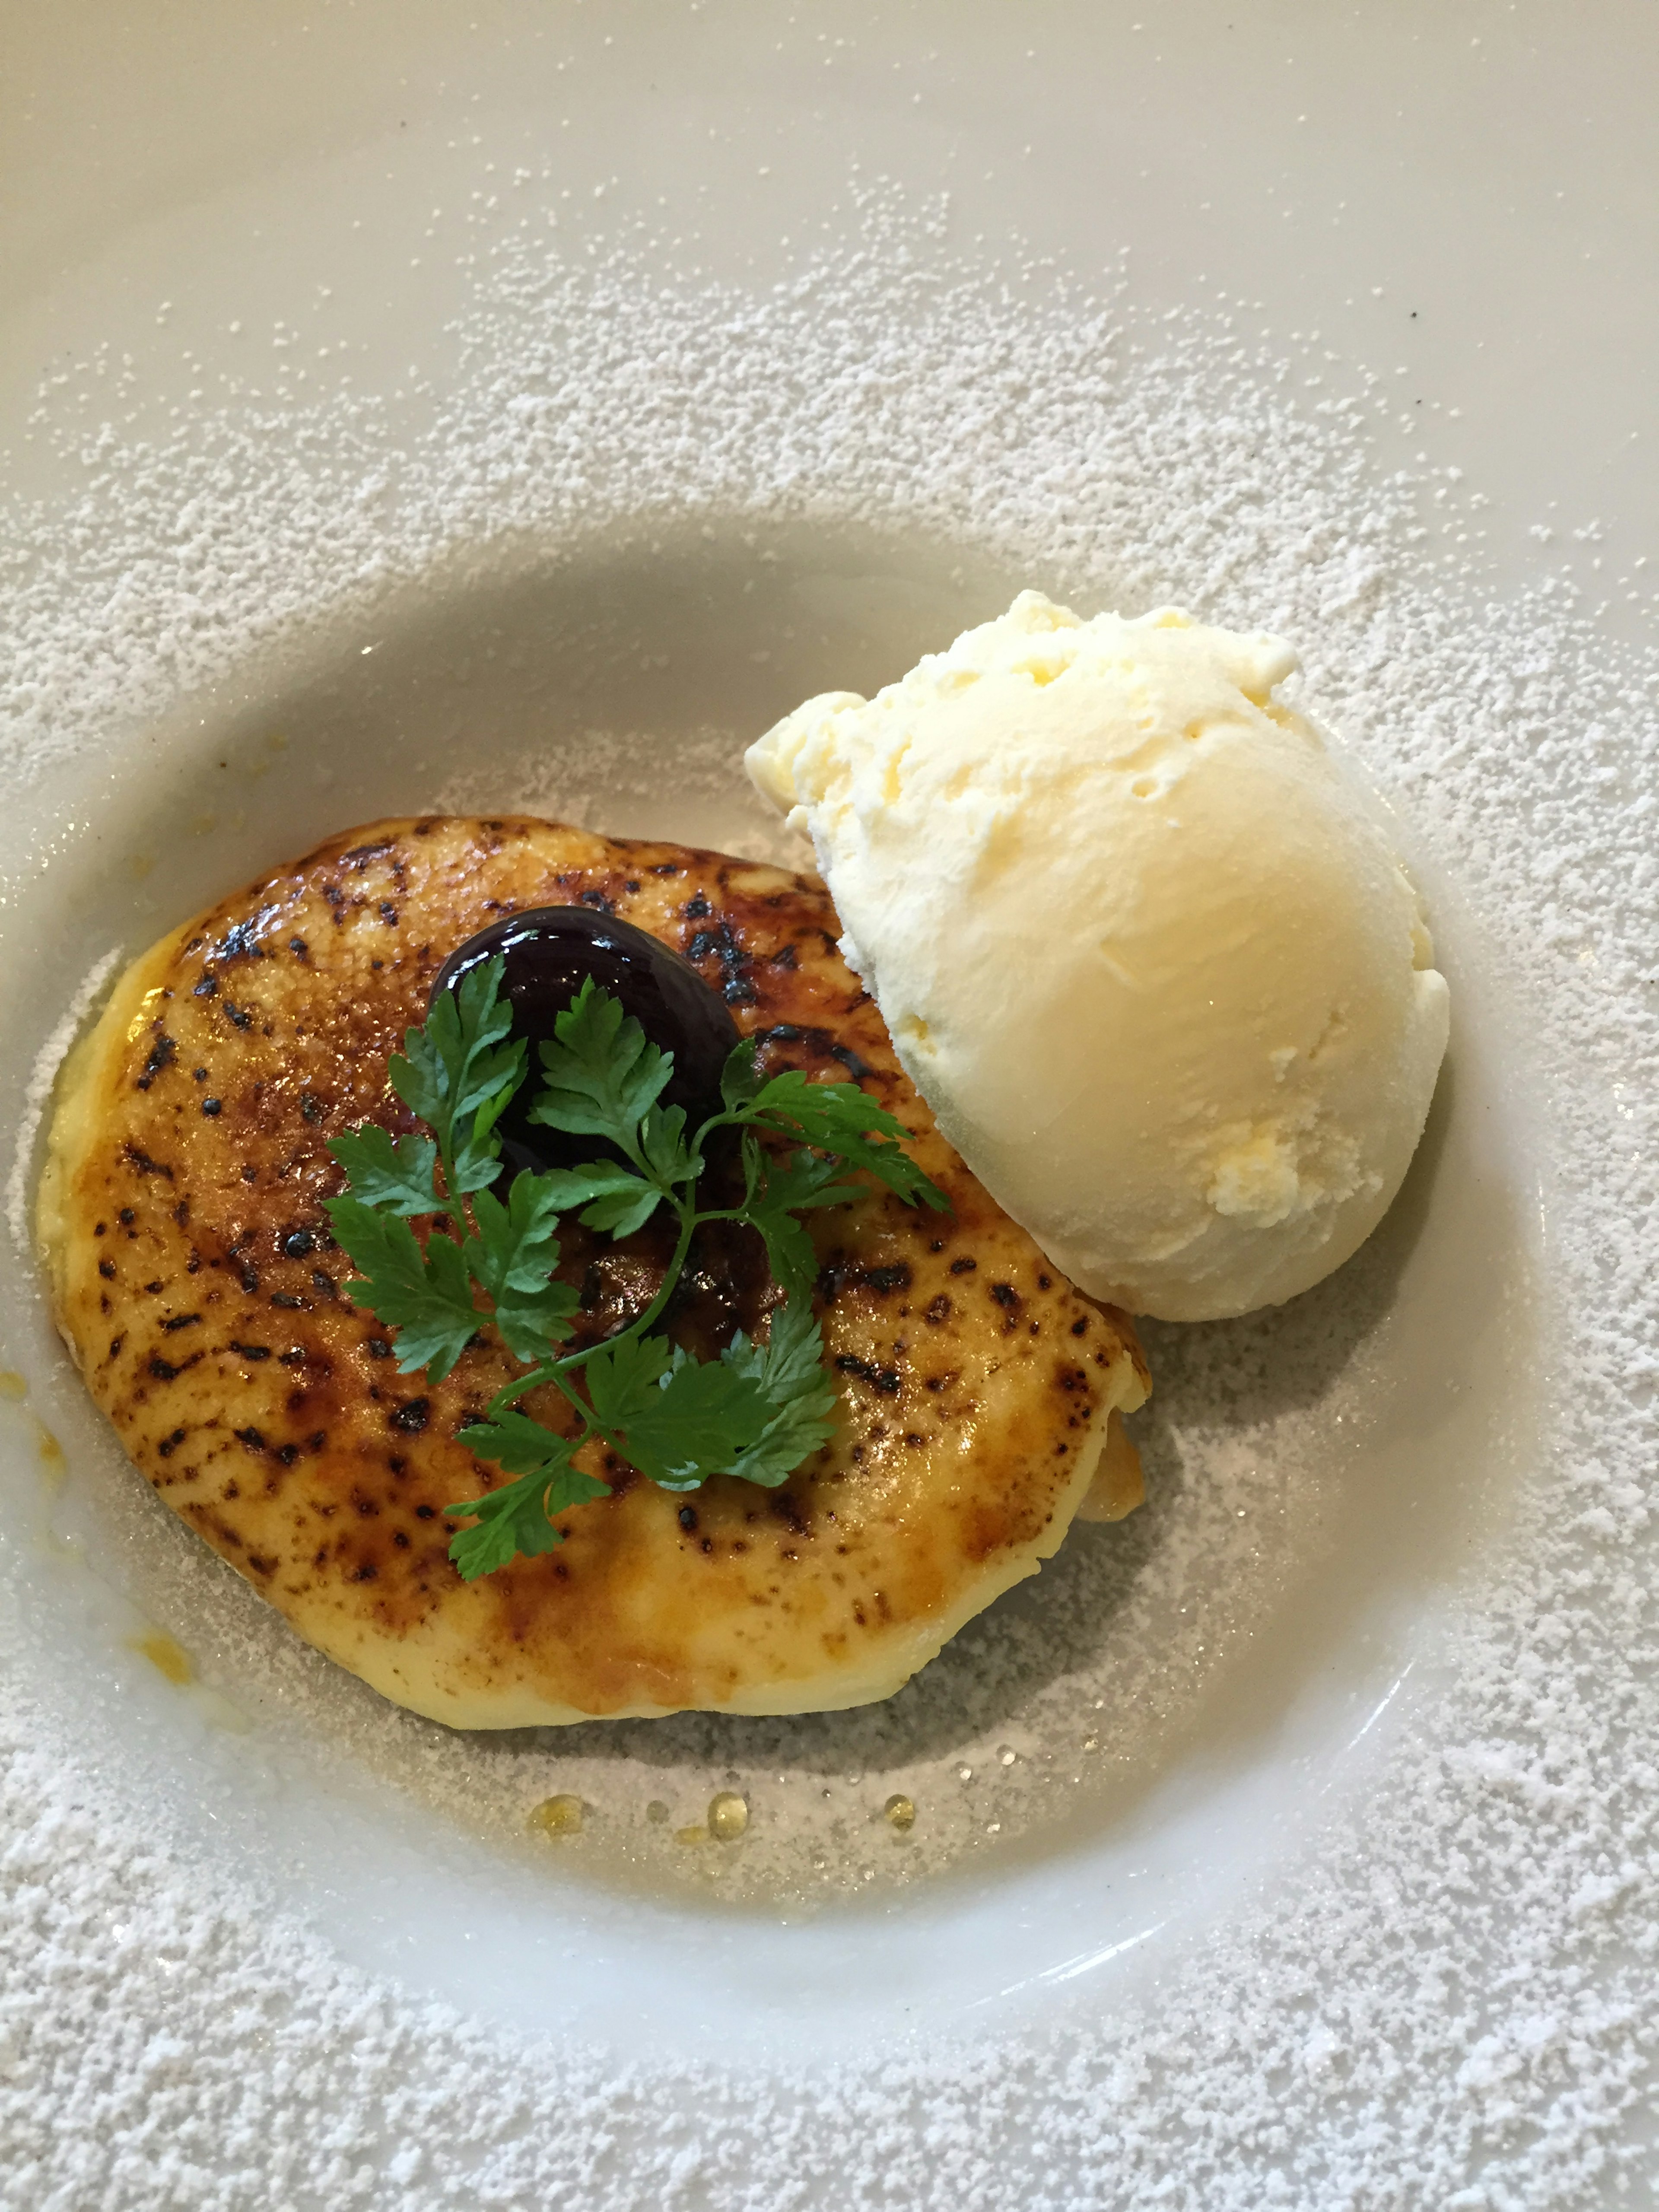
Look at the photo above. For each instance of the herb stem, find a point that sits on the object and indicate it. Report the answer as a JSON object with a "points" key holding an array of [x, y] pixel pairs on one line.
{"points": [[689, 1219], [555, 1370]]}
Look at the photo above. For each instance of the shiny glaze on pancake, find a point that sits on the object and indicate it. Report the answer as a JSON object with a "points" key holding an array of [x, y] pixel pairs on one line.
{"points": [[198, 1285]]}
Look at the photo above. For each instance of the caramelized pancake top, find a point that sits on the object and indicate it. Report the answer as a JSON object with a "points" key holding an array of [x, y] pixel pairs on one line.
{"points": [[199, 1289]]}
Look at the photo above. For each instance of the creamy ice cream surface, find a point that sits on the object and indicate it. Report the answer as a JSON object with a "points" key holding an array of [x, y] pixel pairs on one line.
{"points": [[1146, 954]]}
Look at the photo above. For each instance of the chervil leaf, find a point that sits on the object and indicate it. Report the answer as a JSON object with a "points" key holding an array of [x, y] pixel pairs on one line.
{"points": [[839, 1117], [676, 1419], [511, 1521], [572, 1187], [617, 1375], [789, 1250], [519, 1517], [531, 1321], [740, 1079], [805, 1180], [512, 1258], [517, 1444], [391, 1174], [516, 1248], [705, 1416], [602, 1077], [779, 1188], [622, 1202], [621, 1377], [424, 1296], [789, 1439], [482, 1065], [826, 1114], [789, 1369], [627, 1206], [891, 1165], [662, 1140], [421, 1078], [790, 1361], [477, 1161], [458, 1063], [612, 1194]]}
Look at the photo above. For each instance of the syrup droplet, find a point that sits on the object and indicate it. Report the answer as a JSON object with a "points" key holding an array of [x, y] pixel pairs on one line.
{"points": [[728, 1815], [558, 1816], [167, 1657]]}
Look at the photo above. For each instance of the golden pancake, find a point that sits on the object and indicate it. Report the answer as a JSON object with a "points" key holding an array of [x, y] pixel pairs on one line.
{"points": [[198, 1288]]}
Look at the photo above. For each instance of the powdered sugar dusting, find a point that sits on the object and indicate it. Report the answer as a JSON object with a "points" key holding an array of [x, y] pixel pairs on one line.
{"points": [[47, 1061], [1457, 2010]]}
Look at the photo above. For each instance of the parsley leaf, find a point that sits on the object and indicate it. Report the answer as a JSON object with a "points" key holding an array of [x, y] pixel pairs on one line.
{"points": [[602, 1077], [425, 1295]]}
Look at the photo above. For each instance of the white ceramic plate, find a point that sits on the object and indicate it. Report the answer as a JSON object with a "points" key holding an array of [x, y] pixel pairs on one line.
{"points": [[401, 410]]}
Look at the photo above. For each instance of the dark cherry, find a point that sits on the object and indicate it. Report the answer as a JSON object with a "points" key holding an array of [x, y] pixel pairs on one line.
{"points": [[549, 951]]}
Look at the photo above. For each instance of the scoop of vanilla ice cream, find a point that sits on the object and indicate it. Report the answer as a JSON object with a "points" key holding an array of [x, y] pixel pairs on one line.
{"points": [[1149, 960]]}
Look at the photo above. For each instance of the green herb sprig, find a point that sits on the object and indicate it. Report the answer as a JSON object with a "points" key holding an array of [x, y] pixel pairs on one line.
{"points": [[755, 1411]]}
